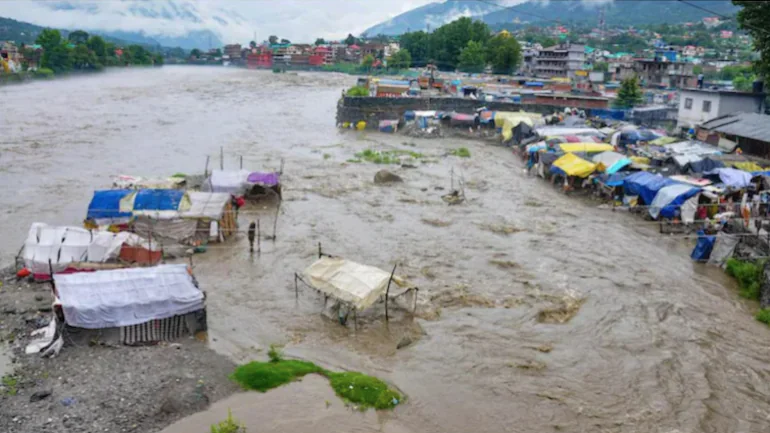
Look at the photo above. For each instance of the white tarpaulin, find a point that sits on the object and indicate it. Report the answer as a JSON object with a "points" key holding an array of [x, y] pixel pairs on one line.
{"points": [[208, 205], [351, 282], [126, 297], [724, 245], [666, 195], [229, 182], [64, 245]]}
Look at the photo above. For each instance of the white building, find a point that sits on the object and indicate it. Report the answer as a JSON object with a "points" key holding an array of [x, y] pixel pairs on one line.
{"points": [[561, 60], [701, 105]]}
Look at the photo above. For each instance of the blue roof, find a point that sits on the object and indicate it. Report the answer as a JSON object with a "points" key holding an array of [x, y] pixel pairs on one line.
{"points": [[106, 204], [645, 185], [158, 199]]}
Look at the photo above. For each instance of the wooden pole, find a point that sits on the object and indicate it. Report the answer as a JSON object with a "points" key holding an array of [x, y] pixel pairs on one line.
{"points": [[191, 261], [259, 237], [387, 291], [241, 162], [275, 222], [319, 250], [206, 170], [355, 319], [50, 272], [296, 286], [221, 157], [281, 171]]}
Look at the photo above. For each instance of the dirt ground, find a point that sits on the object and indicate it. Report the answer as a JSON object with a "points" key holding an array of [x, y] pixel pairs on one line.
{"points": [[129, 389]]}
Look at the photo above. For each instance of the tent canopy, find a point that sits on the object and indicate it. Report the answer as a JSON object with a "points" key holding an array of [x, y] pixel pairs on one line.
{"points": [[105, 204], [733, 178], [126, 297], [585, 147], [611, 162], [351, 282], [206, 205], [230, 182], [573, 165], [264, 179], [670, 198], [645, 185]]}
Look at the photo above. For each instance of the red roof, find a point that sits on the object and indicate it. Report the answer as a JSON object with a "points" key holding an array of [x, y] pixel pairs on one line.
{"points": [[321, 48], [354, 47]]}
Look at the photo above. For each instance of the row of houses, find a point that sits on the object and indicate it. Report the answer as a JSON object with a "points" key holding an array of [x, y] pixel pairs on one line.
{"points": [[13, 56], [268, 55]]}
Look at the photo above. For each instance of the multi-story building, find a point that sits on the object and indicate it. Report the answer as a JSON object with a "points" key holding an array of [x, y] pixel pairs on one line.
{"points": [[233, 51], [701, 105], [659, 72], [561, 60]]}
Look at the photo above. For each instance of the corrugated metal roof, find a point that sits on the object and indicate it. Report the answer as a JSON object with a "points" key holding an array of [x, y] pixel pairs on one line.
{"points": [[749, 125]]}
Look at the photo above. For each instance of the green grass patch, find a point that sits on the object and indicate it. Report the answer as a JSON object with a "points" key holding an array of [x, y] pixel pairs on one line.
{"points": [[763, 316], [352, 387], [230, 425], [178, 175], [327, 156], [357, 91], [749, 277], [10, 385], [462, 152], [386, 156]]}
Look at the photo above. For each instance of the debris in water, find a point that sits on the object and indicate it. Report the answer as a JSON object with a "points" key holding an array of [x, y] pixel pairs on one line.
{"points": [[545, 348], [504, 264], [568, 307], [533, 203], [460, 297], [437, 222], [531, 365], [428, 273], [384, 176], [501, 229], [454, 197]]}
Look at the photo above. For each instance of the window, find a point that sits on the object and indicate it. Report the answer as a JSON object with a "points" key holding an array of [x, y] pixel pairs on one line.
{"points": [[688, 103], [706, 106]]}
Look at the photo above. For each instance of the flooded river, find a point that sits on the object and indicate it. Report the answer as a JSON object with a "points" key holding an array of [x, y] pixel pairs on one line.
{"points": [[657, 343]]}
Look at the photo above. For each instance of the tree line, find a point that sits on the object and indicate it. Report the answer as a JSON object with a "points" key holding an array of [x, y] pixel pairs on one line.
{"points": [[81, 51], [463, 44]]}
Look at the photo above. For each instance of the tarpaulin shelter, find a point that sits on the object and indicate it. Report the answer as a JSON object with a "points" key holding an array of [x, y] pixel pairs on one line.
{"points": [[155, 297], [51, 248], [230, 182], [645, 185], [572, 165], [585, 147], [388, 126], [156, 203], [104, 208], [354, 284], [136, 182], [702, 250], [462, 120], [732, 178], [669, 198], [747, 166], [214, 214], [611, 162], [260, 182], [703, 165], [547, 131], [558, 139], [613, 180]]}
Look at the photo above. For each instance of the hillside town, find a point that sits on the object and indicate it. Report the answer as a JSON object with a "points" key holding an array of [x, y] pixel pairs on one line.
{"points": [[549, 225]]}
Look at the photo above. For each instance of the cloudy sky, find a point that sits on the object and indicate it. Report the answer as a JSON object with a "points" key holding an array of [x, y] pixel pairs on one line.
{"points": [[298, 20]]}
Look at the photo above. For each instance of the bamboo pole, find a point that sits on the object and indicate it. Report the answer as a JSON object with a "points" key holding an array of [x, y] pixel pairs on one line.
{"points": [[275, 221], [206, 170], [387, 292], [259, 237], [221, 157], [241, 162]]}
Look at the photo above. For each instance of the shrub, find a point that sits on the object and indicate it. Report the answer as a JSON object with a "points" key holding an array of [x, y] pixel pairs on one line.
{"points": [[264, 376], [44, 73], [364, 390], [764, 316], [358, 91], [749, 277], [462, 152], [229, 425]]}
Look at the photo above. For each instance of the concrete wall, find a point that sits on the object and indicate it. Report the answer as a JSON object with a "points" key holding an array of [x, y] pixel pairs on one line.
{"points": [[721, 104], [372, 110], [729, 104]]}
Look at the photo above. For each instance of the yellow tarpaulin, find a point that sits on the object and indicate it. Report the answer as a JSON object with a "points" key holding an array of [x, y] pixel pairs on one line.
{"points": [[662, 141], [747, 166], [586, 147], [508, 123], [640, 160], [574, 165]]}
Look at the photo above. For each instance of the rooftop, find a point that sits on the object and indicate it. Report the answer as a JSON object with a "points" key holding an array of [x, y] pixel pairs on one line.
{"points": [[749, 125], [725, 92]]}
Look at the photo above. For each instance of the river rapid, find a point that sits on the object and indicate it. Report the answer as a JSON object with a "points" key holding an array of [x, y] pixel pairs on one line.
{"points": [[538, 312]]}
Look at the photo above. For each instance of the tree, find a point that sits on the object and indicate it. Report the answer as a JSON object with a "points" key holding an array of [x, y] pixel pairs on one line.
{"points": [[417, 45], [368, 61], [629, 94], [253, 44], [97, 45], [320, 41], [449, 40], [138, 55], [273, 39], [56, 54], [472, 58], [401, 59], [218, 52], [157, 60], [504, 53], [78, 37], [285, 41], [350, 40], [48, 39], [754, 18], [195, 53], [601, 67], [83, 58]]}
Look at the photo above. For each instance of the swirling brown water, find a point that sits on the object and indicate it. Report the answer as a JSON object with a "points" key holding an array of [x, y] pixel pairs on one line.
{"points": [[660, 344]]}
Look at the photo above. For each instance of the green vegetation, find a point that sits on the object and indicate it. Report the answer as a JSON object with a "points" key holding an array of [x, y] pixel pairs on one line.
{"points": [[472, 58], [385, 156], [10, 384], [357, 91], [749, 276], [629, 95], [763, 316], [462, 152], [229, 425], [368, 61], [401, 59], [755, 19], [355, 388]]}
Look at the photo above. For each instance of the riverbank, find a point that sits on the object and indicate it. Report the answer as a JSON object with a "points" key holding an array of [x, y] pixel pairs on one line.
{"points": [[44, 74], [94, 385]]}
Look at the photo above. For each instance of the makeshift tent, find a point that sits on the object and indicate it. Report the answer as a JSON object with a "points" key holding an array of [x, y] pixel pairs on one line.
{"points": [[136, 182], [230, 182], [388, 126], [669, 198], [732, 178], [50, 248], [645, 185], [613, 180], [585, 147], [702, 165], [552, 141], [462, 120], [355, 284], [702, 250], [214, 213], [156, 203], [126, 297], [260, 183], [104, 208], [664, 140], [547, 131], [747, 166], [610, 162], [572, 165]]}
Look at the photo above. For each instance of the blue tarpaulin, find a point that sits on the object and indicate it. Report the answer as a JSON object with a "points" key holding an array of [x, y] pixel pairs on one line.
{"points": [[409, 115], [534, 84], [702, 250], [670, 198], [614, 179], [158, 199], [609, 114], [106, 204], [645, 185]]}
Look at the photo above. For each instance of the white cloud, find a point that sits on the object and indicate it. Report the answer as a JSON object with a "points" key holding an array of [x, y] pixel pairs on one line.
{"points": [[298, 20]]}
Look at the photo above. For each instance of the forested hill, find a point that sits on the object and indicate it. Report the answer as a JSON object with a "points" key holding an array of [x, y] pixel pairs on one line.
{"points": [[26, 33]]}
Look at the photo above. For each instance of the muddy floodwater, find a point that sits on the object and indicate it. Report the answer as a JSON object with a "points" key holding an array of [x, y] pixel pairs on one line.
{"points": [[537, 312]]}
